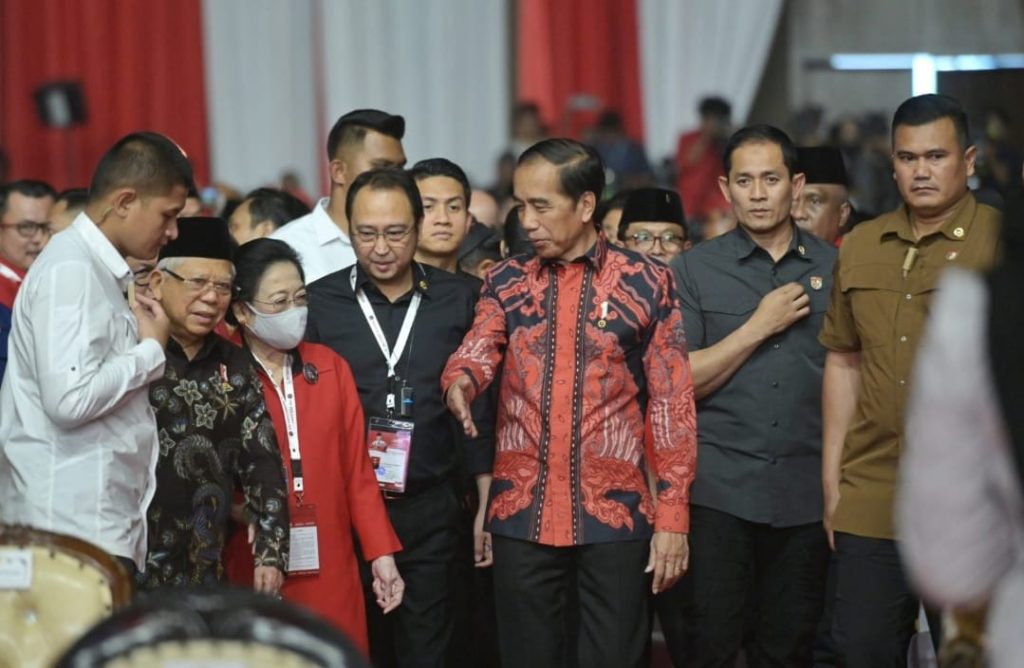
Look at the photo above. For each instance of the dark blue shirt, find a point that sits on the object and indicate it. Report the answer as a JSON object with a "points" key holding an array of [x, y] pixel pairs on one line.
{"points": [[759, 435]]}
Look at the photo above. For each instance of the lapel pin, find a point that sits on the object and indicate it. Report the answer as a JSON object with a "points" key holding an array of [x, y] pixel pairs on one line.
{"points": [[816, 282], [951, 255], [310, 373], [958, 232]]}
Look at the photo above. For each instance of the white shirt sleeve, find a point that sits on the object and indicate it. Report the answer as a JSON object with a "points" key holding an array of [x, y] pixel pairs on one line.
{"points": [[87, 352]]}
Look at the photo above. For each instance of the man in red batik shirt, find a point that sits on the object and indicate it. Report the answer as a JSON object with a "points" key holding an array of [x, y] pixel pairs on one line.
{"points": [[595, 383]]}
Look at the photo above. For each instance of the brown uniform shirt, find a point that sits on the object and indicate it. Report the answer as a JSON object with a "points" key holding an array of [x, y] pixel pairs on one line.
{"points": [[880, 310]]}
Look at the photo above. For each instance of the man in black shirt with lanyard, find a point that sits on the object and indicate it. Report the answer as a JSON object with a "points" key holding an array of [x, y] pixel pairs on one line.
{"points": [[396, 322]]}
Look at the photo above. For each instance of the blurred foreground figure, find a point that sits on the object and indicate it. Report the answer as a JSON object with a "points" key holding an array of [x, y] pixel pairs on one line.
{"points": [[961, 513]]}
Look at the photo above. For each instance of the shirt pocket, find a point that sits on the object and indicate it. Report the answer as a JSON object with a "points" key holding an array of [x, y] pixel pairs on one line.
{"points": [[874, 292], [724, 313]]}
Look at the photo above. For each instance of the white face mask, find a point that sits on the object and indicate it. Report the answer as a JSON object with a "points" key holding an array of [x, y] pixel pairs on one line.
{"points": [[282, 330]]}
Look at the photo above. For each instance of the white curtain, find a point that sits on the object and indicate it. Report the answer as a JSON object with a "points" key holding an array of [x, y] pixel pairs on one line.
{"points": [[694, 48], [442, 64], [260, 91]]}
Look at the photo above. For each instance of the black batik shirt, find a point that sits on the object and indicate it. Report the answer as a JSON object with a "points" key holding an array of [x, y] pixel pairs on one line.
{"points": [[214, 434]]}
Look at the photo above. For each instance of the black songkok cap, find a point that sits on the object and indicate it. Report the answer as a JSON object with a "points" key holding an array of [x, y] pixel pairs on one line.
{"points": [[201, 237], [652, 205], [821, 164], [375, 119]]}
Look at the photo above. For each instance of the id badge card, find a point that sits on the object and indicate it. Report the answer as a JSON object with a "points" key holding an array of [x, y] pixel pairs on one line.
{"points": [[389, 443], [304, 554]]}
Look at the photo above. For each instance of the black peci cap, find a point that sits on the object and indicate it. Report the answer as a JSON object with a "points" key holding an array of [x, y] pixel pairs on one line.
{"points": [[652, 205], [822, 164], [201, 236]]}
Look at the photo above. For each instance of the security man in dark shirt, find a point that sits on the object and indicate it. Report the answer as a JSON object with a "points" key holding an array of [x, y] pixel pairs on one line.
{"points": [[396, 322], [753, 301]]}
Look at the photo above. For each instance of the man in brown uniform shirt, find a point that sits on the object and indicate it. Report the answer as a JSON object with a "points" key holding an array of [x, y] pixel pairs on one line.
{"points": [[884, 279]]}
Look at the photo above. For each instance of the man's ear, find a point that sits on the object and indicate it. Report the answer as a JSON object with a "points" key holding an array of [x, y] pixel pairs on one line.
{"points": [[122, 201], [338, 171], [723, 185], [484, 267], [970, 156], [264, 229], [156, 284], [844, 214], [799, 181], [588, 204]]}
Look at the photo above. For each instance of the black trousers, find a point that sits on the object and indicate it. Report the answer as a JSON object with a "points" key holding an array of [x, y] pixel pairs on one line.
{"points": [[874, 609], [419, 632], [749, 585], [531, 583]]}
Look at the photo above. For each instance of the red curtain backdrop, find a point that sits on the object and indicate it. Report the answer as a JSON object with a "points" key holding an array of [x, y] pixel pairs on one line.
{"points": [[140, 63], [574, 47]]}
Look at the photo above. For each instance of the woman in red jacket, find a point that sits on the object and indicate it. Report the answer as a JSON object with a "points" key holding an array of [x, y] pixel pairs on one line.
{"points": [[318, 420]]}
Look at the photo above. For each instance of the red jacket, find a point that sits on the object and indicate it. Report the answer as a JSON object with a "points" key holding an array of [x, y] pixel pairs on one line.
{"points": [[338, 480], [595, 382]]}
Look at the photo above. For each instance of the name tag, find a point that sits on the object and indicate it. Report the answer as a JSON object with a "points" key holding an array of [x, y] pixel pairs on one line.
{"points": [[304, 551], [390, 442]]}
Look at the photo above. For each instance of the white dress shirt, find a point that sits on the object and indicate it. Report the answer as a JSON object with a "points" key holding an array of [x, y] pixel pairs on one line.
{"points": [[320, 244], [960, 508], [78, 439]]}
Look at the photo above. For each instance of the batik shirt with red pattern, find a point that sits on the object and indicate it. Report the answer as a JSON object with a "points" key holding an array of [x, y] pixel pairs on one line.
{"points": [[595, 383]]}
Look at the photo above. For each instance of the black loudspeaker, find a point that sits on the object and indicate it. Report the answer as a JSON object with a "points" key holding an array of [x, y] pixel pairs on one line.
{"points": [[61, 104]]}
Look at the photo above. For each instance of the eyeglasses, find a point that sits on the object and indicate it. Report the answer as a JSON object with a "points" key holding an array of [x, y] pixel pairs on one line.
{"points": [[140, 275], [278, 305], [669, 240], [201, 285], [368, 237], [28, 229]]}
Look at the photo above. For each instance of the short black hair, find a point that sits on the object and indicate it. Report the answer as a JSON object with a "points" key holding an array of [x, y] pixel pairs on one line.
{"points": [[252, 259], [616, 201], [147, 161], [277, 206], [76, 198], [353, 126], [761, 133], [924, 109], [715, 106], [386, 178], [425, 169], [514, 236], [27, 188], [580, 168]]}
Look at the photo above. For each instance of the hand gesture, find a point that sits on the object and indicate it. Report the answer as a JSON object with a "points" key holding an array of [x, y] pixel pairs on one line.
{"points": [[459, 406], [388, 585], [268, 580], [779, 309], [153, 321], [670, 557]]}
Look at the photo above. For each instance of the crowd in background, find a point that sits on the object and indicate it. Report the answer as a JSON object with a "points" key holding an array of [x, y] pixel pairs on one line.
{"points": [[462, 421]]}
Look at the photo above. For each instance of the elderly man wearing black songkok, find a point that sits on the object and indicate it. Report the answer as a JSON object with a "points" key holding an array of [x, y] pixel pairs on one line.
{"points": [[823, 208], [212, 425], [653, 223]]}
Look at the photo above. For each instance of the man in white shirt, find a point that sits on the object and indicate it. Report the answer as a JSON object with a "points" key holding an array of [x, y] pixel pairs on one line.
{"points": [[360, 140], [78, 441]]}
